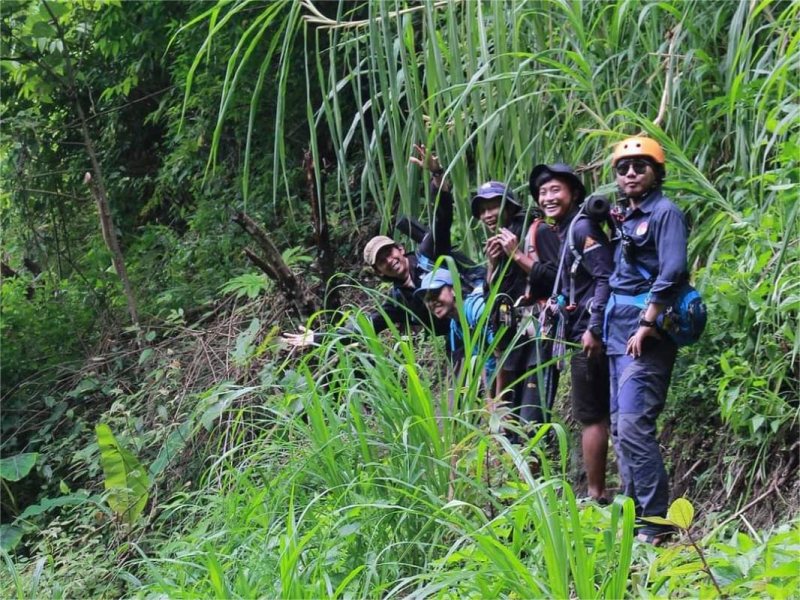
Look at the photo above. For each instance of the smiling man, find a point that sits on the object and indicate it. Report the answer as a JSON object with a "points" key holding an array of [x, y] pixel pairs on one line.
{"points": [[526, 261], [586, 267], [439, 295], [650, 265]]}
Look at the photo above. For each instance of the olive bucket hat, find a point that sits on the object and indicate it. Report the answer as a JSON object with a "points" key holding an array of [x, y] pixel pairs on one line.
{"points": [[374, 246]]}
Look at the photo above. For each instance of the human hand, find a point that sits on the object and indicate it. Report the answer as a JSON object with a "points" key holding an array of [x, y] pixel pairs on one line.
{"points": [[592, 347], [508, 241], [302, 339], [636, 343], [493, 249], [425, 160]]}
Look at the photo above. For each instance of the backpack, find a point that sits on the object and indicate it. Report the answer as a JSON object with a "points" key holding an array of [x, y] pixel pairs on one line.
{"points": [[474, 305], [472, 276]]}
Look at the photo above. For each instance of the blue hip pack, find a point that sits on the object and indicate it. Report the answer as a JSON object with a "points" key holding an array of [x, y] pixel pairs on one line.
{"points": [[684, 320]]}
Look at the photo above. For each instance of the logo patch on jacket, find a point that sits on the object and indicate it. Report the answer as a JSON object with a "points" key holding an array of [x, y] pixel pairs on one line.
{"points": [[641, 228]]}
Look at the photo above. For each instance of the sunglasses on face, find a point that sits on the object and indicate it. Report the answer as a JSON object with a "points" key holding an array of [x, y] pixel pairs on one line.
{"points": [[639, 166]]}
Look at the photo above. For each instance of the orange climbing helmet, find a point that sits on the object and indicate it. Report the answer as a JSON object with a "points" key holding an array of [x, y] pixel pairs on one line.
{"points": [[638, 146]]}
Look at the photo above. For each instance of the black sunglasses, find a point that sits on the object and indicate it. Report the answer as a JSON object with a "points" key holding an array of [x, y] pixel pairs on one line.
{"points": [[639, 166]]}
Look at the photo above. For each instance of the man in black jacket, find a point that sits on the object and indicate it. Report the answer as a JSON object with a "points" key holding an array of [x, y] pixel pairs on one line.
{"points": [[585, 269], [404, 269], [524, 260]]}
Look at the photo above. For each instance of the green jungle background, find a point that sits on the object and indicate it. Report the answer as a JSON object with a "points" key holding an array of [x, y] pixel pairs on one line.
{"points": [[157, 439]]}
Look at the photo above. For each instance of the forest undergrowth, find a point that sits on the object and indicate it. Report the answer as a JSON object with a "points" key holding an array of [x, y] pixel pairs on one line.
{"points": [[345, 472]]}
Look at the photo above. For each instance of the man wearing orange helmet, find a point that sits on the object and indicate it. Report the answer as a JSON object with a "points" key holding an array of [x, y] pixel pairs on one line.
{"points": [[650, 264]]}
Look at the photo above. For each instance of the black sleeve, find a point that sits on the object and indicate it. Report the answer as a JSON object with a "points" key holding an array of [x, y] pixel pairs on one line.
{"points": [[542, 277], [598, 260], [547, 244], [438, 242], [390, 313]]}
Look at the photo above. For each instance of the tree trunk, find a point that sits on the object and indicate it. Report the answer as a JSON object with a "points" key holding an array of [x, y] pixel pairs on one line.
{"points": [[96, 183], [107, 226], [322, 238]]}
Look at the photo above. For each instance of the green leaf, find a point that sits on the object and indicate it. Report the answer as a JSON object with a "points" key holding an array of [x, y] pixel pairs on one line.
{"points": [[10, 536], [686, 569], [41, 29], [16, 467], [46, 504], [146, 353], [150, 336], [172, 447], [659, 521], [125, 478], [59, 9], [681, 513]]}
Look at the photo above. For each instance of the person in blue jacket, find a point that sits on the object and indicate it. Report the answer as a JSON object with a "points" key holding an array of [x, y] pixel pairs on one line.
{"points": [[650, 257], [585, 267], [439, 294]]}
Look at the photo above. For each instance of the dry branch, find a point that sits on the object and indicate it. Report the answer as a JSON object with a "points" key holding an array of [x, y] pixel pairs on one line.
{"points": [[322, 238], [275, 267]]}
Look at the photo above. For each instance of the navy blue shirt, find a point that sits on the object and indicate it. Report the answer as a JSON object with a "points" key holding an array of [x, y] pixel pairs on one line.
{"points": [[657, 231], [590, 285]]}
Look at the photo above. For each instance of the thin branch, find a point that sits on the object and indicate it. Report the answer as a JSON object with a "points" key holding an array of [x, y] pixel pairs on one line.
{"points": [[662, 110], [327, 23], [51, 193]]}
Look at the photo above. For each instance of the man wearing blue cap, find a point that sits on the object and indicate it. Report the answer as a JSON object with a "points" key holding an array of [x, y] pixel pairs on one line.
{"points": [[439, 295], [527, 269]]}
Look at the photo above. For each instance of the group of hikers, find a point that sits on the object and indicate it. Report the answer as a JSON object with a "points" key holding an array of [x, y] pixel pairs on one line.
{"points": [[567, 272]]}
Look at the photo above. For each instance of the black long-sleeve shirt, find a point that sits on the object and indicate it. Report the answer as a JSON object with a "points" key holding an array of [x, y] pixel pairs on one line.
{"points": [[543, 272], [589, 288]]}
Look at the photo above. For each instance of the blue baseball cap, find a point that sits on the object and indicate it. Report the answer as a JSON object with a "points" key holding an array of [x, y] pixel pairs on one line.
{"points": [[435, 280], [491, 190]]}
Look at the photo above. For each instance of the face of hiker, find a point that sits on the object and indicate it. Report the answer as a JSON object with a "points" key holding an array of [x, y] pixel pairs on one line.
{"points": [[635, 177], [441, 302], [555, 199], [490, 212], [392, 262]]}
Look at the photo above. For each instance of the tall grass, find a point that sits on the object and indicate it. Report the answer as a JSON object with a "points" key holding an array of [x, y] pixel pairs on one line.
{"points": [[357, 478]]}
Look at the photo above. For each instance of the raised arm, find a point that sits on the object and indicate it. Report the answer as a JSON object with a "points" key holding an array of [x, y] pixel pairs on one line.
{"points": [[438, 243]]}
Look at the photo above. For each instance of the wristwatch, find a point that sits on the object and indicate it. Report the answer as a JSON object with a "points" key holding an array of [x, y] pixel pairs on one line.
{"points": [[645, 323], [596, 331]]}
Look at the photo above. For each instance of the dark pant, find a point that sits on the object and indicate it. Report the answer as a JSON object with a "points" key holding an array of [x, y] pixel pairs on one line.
{"points": [[532, 398], [590, 388], [638, 393]]}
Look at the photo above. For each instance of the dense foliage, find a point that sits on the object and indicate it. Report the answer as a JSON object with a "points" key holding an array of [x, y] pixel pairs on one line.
{"points": [[192, 457]]}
